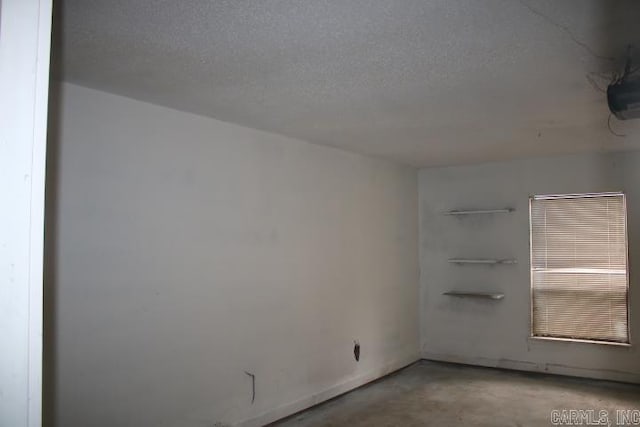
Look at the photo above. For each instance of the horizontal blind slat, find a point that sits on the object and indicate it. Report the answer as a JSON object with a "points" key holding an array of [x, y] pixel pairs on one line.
{"points": [[579, 268]]}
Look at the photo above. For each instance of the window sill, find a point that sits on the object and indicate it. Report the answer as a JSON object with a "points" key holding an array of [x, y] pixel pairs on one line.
{"points": [[570, 340]]}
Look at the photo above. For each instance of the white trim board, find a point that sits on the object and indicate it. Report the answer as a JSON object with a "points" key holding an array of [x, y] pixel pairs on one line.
{"points": [[544, 368], [25, 38], [317, 398], [350, 385]]}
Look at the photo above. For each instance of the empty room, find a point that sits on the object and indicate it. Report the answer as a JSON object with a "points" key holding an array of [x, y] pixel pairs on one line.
{"points": [[337, 213]]}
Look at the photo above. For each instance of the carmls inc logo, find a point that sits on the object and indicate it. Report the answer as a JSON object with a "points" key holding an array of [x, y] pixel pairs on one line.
{"points": [[594, 417]]}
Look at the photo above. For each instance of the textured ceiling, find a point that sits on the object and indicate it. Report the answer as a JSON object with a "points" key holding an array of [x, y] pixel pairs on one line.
{"points": [[423, 82]]}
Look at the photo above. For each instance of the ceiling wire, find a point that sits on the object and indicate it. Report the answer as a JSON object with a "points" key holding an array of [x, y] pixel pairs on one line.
{"points": [[594, 84], [628, 71], [565, 29], [620, 135], [635, 70]]}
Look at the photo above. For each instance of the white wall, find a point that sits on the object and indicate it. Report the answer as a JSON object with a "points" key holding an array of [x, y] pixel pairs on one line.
{"points": [[495, 333], [25, 27], [187, 251]]}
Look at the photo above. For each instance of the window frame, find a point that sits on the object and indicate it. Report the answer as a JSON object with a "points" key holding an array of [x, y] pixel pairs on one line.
{"points": [[532, 336]]}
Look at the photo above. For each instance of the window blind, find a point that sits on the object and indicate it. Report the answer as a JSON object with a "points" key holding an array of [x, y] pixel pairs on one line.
{"points": [[579, 274]]}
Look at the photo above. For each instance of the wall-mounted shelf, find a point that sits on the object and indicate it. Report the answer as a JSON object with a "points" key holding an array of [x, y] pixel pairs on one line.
{"points": [[486, 295], [481, 261], [480, 211]]}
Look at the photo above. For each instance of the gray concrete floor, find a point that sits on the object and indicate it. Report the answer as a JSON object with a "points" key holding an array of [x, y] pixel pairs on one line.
{"points": [[441, 394]]}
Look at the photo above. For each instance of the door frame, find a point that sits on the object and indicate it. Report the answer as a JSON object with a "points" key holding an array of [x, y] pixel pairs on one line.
{"points": [[25, 44]]}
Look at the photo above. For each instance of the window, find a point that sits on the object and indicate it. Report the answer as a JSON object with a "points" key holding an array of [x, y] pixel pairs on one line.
{"points": [[579, 277]]}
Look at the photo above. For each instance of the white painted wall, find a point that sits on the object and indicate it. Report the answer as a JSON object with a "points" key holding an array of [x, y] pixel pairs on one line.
{"points": [[25, 27], [188, 251], [496, 333]]}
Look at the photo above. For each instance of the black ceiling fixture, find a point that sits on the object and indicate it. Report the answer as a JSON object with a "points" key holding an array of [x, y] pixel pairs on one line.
{"points": [[623, 93]]}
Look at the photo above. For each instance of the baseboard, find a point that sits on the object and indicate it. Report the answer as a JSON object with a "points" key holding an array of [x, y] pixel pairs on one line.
{"points": [[353, 383], [545, 368], [314, 399]]}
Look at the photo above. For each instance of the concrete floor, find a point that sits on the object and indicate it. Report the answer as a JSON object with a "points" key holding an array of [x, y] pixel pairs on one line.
{"points": [[441, 394]]}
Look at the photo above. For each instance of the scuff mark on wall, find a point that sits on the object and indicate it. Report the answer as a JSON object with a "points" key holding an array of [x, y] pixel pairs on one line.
{"points": [[253, 386]]}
